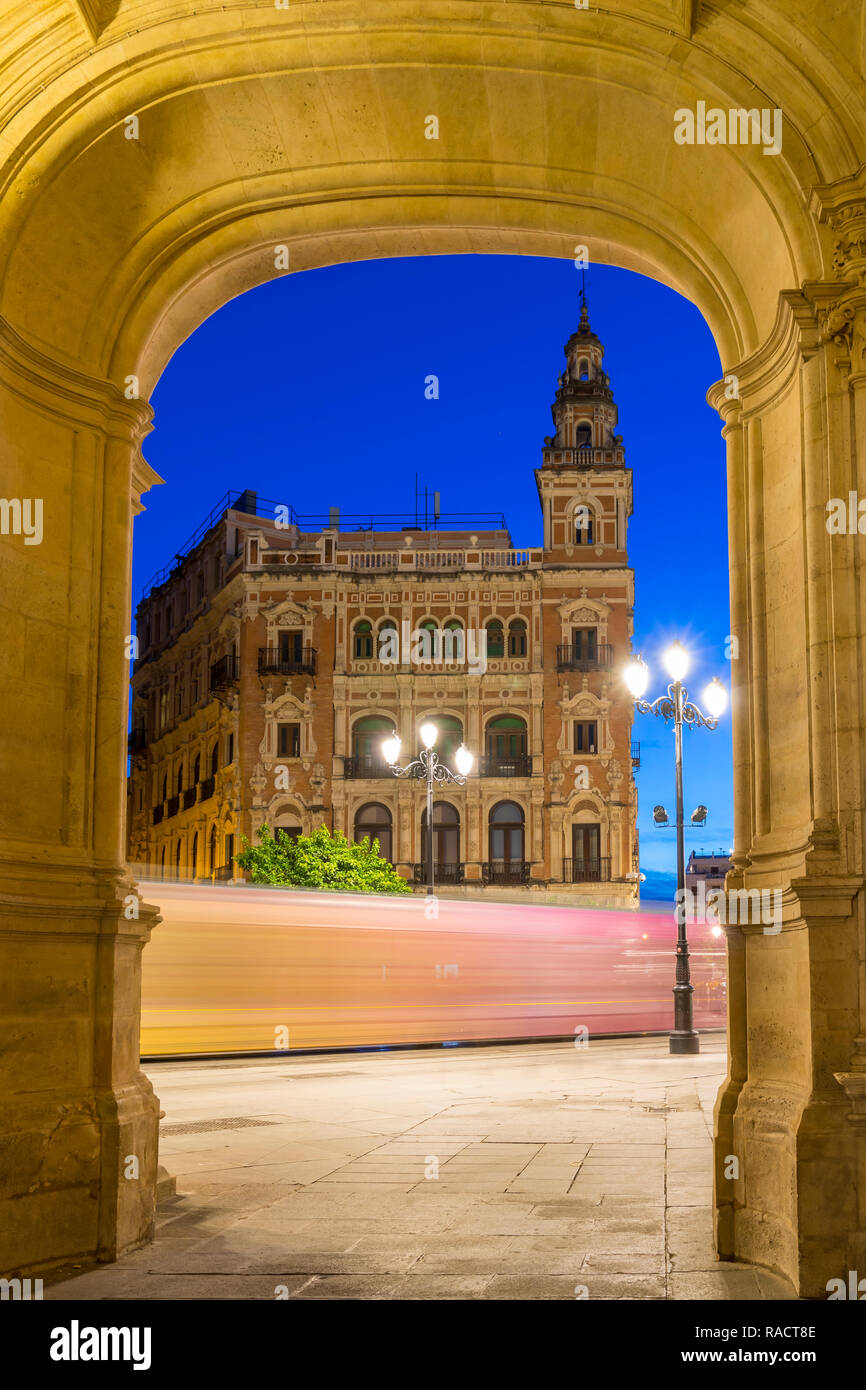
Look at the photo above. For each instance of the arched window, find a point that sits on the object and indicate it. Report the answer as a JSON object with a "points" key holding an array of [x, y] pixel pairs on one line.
{"points": [[164, 796], [450, 735], [446, 840], [193, 862], [214, 759], [373, 822], [583, 369], [179, 787], [495, 638], [368, 735], [453, 641], [362, 646], [506, 746], [177, 854], [162, 861], [583, 436], [584, 525], [196, 775], [428, 647], [506, 839], [212, 850], [517, 637], [388, 642]]}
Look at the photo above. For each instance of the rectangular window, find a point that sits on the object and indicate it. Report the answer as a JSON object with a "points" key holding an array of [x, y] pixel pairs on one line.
{"points": [[585, 736], [288, 740], [254, 552]]}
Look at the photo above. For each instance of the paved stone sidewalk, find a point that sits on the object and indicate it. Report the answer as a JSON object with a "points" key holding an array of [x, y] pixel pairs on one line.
{"points": [[506, 1173]]}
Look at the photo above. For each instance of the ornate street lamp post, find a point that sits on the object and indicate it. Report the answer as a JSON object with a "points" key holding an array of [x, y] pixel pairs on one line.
{"points": [[427, 765], [676, 706]]}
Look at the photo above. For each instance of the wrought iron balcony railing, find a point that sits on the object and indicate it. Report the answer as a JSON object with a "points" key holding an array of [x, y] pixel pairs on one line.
{"points": [[508, 871], [224, 672], [355, 767], [442, 873], [273, 662], [158, 813], [172, 806], [500, 765], [635, 755], [207, 788], [568, 658], [136, 741], [586, 870], [189, 798]]}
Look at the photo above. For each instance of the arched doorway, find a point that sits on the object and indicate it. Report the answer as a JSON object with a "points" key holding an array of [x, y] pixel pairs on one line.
{"points": [[373, 822], [447, 867], [506, 752], [506, 861], [781, 285], [368, 735]]}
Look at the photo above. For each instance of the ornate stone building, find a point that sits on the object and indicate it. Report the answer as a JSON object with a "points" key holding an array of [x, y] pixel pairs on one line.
{"points": [[274, 660]]}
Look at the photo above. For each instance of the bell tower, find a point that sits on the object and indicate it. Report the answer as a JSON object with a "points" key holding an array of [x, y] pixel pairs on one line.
{"points": [[583, 483]]}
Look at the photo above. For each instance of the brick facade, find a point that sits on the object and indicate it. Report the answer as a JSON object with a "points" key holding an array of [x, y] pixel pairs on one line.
{"points": [[274, 659]]}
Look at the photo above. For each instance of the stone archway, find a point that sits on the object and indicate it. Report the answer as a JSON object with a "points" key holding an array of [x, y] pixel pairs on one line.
{"points": [[257, 133]]}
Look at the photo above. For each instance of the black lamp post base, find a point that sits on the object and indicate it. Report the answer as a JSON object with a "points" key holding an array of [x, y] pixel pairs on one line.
{"points": [[689, 1043]]}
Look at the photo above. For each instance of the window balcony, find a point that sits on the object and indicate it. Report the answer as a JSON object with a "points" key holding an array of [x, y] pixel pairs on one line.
{"points": [[274, 663], [189, 798], [505, 871], [172, 806], [355, 768], [442, 873], [207, 788], [158, 813], [224, 672], [635, 755], [567, 659], [502, 765], [586, 870]]}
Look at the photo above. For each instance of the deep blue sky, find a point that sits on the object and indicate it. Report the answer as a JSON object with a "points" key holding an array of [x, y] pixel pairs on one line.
{"points": [[310, 390]]}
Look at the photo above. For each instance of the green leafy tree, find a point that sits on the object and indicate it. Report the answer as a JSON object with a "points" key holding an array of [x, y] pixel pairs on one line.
{"points": [[320, 860]]}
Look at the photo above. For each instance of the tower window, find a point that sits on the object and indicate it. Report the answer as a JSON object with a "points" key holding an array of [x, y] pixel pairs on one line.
{"points": [[583, 436], [583, 526]]}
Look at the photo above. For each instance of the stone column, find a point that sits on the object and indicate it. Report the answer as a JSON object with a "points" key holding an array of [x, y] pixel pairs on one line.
{"points": [[790, 1166], [79, 1118]]}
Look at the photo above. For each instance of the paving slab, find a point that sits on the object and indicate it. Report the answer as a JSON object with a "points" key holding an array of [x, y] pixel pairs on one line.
{"points": [[558, 1175]]}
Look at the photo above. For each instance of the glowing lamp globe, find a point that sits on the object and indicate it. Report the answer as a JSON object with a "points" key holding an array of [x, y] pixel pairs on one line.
{"points": [[676, 660], [636, 677], [428, 734], [391, 749], [464, 760], [716, 697]]}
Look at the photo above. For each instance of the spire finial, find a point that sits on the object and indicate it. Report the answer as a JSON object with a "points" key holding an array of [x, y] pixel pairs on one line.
{"points": [[583, 326]]}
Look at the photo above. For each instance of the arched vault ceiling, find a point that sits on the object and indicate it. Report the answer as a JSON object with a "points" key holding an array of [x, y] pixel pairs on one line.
{"points": [[307, 126]]}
